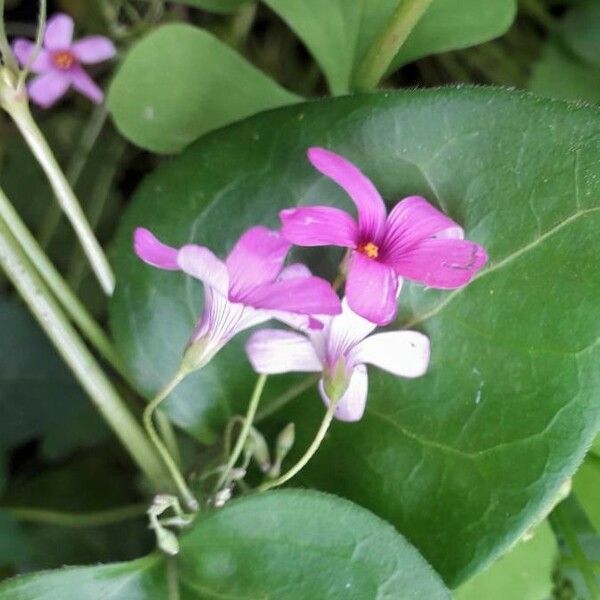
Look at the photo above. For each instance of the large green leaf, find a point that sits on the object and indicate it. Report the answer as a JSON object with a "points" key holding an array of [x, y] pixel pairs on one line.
{"points": [[291, 544], [586, 486], [525, 572], [179, 82], [463, 460], [339, 32]]}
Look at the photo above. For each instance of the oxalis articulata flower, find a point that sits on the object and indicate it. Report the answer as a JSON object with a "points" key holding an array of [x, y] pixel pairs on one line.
{"points": [[415, 241], [340, 352], [58, 64], [250, 287]]}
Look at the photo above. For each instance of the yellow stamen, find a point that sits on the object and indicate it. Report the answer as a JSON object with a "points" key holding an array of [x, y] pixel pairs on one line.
{"points": [[369, 249], [63, 60]]}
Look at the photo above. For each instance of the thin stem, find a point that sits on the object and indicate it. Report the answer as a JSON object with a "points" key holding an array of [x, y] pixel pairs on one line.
{"points": [[167, 433], [379, 57], [287, 396], [560, 519], [74, 170], [7, 56], [18, 109], [173, 469], [239, 445], [75, 353], [241, 24], [68, 519], [310, 452], [172, 579], [53, 279], [39, 38]]}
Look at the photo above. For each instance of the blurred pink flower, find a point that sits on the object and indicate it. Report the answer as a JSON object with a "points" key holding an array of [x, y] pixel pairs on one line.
{"points": [[249, 288], [340, 351], [58, 63], [415, 240]]}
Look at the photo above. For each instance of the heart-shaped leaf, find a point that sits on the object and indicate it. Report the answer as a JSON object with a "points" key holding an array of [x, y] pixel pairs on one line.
{"points": [[292, 544], [339, 32], [463, 460], [179, 82]]}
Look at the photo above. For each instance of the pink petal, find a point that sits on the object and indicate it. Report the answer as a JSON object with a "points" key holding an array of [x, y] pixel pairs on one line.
{"points": [[23, 50], [222, 319], [294, 271], [351, 405], [441, 263], [371, 289], [59, 32], [272, 351], [201, 263], [412, 220], [403, 353], [45, 90], [371, 208], [318, 226], [93, 49], [307, 296], [257, 258], [84, 84], [154, 252], [345, 331]]}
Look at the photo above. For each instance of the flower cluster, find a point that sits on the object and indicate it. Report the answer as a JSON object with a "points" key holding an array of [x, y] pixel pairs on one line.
{"points": [[58, 65], [328, 335]]}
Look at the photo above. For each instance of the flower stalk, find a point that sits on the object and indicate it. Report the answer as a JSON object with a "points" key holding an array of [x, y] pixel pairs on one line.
{"points": [[186, 494], [379, 57], [53, 279], [80, 360], [248, 420], [310, 452], [13, 99]]}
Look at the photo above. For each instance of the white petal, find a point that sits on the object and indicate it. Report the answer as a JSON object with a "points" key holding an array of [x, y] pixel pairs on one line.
{"points": [[351, 405], [201, 263], [275, 351], [403, 353], [345, 331]]}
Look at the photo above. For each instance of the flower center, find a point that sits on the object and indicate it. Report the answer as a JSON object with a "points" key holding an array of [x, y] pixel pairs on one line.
{"points": [[63, 60], [369, 249]]}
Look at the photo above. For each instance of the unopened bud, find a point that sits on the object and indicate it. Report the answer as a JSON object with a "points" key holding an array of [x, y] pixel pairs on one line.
{"points": [[166, 540], [257, 446], [285, 442]]}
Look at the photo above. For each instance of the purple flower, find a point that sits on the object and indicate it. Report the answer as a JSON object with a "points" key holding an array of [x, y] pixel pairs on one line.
{"points": [[340, 352], [58, 63], [249, 288], [415, 240]]}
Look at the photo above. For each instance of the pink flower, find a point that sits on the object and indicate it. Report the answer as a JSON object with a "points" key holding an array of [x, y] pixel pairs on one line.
{"points": [[58, 63], [340, 352], [249, 288], [415, 240]]}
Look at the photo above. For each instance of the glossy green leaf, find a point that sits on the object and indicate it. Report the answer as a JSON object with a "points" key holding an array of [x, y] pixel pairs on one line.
{"points": [[580, 30], [586, 487], [524, 572], [559, 75], [290, 544], [463, 460], [339, 32], [179, 82]]}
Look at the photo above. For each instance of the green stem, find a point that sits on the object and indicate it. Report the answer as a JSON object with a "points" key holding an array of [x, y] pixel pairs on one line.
{"points": [[287, 396], [310, 452], [172, 467], [67, 519], [167, 433], [39, 38], [75, 353], [560, 519], [239, 445], [7, 56], [74, 170], [18, 109], [57, 284], [379, 57], [172, 579]]}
